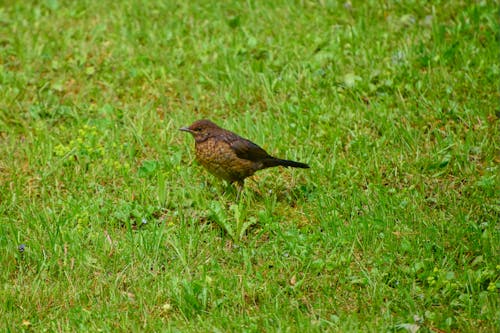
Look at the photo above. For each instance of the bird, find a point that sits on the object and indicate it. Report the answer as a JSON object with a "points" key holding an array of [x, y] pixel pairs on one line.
{"points": [[229, 156]]}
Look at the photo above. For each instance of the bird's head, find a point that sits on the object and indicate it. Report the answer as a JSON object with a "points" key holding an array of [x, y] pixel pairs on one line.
{"points": [[201, 129]]}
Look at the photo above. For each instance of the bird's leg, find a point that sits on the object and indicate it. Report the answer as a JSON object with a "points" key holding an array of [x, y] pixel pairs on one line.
{"points": [[239, 187]]}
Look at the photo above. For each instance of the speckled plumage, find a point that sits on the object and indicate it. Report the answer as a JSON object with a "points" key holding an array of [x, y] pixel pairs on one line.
{"points": [[219, 159], [229, 156]]}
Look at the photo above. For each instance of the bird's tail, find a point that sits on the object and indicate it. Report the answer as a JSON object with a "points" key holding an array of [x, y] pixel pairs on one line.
{"points": [[272, 162]]}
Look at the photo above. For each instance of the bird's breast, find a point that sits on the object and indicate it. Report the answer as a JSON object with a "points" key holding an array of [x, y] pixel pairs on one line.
{"points": [[218, 158]]}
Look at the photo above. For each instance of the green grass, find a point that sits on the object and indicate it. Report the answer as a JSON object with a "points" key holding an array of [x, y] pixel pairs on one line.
{"points": [[395, 106]]}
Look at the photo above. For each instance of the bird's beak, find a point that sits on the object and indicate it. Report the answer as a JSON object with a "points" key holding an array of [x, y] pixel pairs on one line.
{"points": [[185, 129]]}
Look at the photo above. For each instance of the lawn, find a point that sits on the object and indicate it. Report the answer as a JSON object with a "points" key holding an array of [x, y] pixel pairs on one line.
{"points": [[107, 223]]}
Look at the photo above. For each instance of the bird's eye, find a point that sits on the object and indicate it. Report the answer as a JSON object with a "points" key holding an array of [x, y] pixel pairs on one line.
{"points": [[197, 129]]}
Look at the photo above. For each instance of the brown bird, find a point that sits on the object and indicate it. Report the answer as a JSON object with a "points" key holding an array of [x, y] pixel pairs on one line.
{"points": [[229, 156]]}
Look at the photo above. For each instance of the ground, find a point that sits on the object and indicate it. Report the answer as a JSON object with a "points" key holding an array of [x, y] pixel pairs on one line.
{"points": [[107, 223]]}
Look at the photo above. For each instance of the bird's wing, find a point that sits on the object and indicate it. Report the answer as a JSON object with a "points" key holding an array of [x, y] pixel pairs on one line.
{"points": [[246, 149]]}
